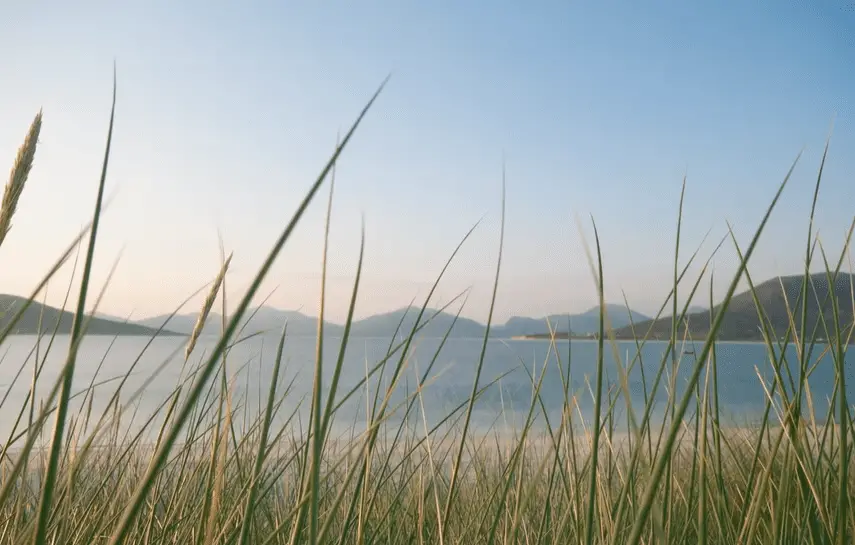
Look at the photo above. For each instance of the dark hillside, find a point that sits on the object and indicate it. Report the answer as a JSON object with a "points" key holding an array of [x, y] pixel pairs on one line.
{"points": [[775, 296], [29, 322]]}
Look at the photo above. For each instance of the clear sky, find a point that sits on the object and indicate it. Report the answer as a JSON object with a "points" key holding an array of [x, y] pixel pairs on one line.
{"points": [[227, 111]]}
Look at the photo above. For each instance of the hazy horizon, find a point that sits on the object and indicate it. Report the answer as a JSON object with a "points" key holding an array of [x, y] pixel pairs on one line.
{"points": [[226, 114]]}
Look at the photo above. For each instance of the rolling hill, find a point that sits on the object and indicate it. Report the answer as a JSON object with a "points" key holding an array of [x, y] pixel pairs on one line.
{"points": [[741, 322]]}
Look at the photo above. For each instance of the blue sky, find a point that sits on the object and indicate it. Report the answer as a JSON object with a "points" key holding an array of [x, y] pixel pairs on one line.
{"points": [[227, 111]]}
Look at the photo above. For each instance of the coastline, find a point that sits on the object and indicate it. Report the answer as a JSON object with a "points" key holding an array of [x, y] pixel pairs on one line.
{"points": [[535, 338]]}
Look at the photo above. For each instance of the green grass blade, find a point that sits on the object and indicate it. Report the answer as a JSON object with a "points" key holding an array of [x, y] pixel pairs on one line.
{"points": [[40, 537], [459, 456], [659, 468], [246, 523]]}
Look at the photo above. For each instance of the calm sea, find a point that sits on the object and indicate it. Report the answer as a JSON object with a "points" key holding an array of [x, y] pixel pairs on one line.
{"points": [[513, 367]]}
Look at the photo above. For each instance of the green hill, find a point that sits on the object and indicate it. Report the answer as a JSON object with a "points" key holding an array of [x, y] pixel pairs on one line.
{"points": [[775, 296]]}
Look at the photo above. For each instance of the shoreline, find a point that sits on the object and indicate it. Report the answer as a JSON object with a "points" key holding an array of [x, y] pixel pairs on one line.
{"points": [[624, 340]]}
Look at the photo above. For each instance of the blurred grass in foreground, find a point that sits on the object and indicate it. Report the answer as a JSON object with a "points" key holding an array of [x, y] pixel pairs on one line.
{"points": [[217, 473]]}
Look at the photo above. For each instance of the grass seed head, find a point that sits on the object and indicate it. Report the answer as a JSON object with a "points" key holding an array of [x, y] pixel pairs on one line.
{"points": [[206, 307], [18, 176]]}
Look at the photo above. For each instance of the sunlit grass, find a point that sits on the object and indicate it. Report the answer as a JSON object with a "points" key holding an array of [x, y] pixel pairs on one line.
{"points": [[209, 466]]}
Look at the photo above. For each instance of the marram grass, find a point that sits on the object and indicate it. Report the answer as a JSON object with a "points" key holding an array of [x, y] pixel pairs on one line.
{"points": [[205, 468], [18, 177]]}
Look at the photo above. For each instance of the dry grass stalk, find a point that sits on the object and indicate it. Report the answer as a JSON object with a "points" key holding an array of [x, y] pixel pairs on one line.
{"points": [[220, 474], [206, 308], [18, 176]]}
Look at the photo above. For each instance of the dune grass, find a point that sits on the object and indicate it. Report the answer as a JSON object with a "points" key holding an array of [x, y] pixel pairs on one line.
{"points": [[219, 472]]}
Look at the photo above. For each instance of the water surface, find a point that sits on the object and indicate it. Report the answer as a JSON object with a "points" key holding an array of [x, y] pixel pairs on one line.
{"points": [[505, 405]]}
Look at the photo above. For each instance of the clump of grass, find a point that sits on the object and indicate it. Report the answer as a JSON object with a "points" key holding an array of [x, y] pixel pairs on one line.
{"points": [[208, 466]]}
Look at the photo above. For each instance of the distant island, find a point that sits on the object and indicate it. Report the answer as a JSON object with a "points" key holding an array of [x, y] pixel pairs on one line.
{"points": [[740, 322]]}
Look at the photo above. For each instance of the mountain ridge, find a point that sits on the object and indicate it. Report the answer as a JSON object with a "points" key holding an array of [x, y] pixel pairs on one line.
{"points": [[740, 323], [39, 318], [402, 320]]}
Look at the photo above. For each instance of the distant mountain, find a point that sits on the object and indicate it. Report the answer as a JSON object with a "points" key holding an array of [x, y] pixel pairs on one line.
{"points": [[580, 324], [518, 326], [740, 321], [589, 321], [50, 316], [299, 324], [182, 323], [384, 325], [264, 319], [105, 316]]}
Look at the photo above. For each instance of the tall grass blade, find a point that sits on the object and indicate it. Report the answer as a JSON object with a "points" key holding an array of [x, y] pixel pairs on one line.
{"points": [[40, 537], [122, 529]]}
